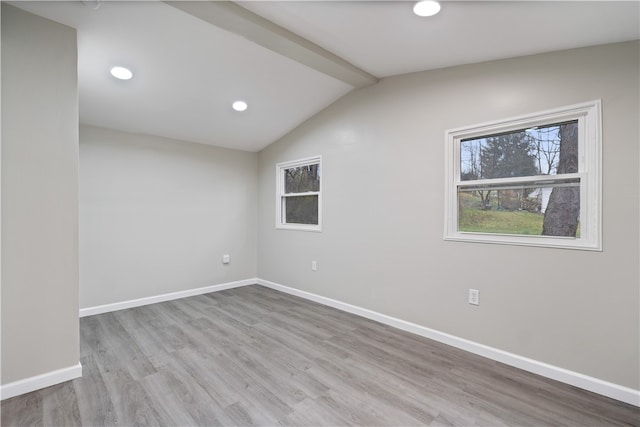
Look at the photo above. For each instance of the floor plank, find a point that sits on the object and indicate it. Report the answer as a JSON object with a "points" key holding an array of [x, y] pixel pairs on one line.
{"points": [[255, 356]]}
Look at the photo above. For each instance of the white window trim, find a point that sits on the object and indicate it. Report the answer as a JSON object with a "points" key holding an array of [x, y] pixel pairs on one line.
{"points": [[589, 116], [280, 167]]}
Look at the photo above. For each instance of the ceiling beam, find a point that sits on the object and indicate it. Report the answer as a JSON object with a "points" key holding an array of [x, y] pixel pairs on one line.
{"points": [[238, 20]]}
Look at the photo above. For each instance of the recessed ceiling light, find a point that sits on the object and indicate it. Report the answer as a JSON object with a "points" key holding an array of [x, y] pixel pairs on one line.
{"points": [[92, 4], [426, 8], [239, 105], [121, 73]]}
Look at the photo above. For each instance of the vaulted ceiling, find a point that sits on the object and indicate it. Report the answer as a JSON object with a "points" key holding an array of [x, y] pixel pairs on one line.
{"points": [[290, 59]]}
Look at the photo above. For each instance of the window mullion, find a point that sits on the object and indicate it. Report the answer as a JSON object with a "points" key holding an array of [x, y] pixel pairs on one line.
{"points": [[526, 180], [307, 193]]}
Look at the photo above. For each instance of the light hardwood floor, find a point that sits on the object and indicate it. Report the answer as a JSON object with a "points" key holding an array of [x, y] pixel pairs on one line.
{"points": [[254, 356]]}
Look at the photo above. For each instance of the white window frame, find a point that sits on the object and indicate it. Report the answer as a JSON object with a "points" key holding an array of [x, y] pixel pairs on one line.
{"points": [[589, 116], [281, 195]]}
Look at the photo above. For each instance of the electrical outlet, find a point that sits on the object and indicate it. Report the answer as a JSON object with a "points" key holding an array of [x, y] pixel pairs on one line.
{"points": [[314, 266], [226, 259], [474, 296]]}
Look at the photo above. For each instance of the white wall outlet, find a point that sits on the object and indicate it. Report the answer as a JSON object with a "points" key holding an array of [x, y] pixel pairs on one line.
{"points": [[226, 259], [314, 266], [474, 296]]}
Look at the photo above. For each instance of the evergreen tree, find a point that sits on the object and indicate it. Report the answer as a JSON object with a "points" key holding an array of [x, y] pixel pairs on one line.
{"points": [[506, 156]]}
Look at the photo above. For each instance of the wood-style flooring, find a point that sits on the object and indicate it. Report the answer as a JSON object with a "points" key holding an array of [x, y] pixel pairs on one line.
{"points": [[254, 356]]}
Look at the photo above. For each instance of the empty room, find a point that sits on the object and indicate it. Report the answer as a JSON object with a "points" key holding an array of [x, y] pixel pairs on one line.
{"points": [[320, 213]]}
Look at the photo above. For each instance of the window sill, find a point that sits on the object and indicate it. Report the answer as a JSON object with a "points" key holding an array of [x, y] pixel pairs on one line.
{"points": [[520, 240], [299, 227]]}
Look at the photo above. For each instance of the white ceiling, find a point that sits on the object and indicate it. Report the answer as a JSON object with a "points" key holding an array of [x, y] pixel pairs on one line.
{"points": [[385, 38], [191, 60]]}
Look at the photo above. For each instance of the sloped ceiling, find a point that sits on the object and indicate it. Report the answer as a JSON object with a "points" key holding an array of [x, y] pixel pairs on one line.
{"points": [[290, 59]]}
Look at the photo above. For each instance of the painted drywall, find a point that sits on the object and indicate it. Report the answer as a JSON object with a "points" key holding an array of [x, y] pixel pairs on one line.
{"points": [[382, 247], [39, 196], [157, 215]]}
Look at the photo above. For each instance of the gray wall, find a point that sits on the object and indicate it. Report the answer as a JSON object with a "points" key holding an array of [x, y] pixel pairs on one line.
{"points": [[156, 216], [382, 244], [39, 196]]}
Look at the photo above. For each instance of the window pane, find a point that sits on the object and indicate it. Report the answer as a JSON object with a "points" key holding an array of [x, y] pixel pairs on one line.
{"points": [[549, 211], [301, 210], [526, 152], [302, 179]]}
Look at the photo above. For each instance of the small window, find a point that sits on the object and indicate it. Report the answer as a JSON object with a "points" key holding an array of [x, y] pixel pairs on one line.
{"points": [[531, 180], [299, 198]]}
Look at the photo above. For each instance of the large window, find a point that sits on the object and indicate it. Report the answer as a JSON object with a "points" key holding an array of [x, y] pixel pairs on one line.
{"points": [[299, 197], [531, 180]]}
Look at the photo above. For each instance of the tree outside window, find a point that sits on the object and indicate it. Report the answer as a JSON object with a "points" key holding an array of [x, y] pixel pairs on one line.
{"points": [[530, 181], [298, 202]]}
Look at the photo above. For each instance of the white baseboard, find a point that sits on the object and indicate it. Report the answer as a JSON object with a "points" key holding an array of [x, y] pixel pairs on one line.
{"points": [[61, 375], [30, 384], [605, 388], [106, 308]]}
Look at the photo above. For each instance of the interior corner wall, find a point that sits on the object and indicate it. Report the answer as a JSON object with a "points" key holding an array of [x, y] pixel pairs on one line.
{"points": [[382, 247], [157, 215], [39, 196]]}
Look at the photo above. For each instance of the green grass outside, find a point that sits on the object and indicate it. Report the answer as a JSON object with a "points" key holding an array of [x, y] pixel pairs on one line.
{"points": [[503, 222]]}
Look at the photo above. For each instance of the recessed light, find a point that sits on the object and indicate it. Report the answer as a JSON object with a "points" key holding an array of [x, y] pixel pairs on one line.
{"points": [[239, 105], [92, 4], [121, 73], [426, 8]]}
